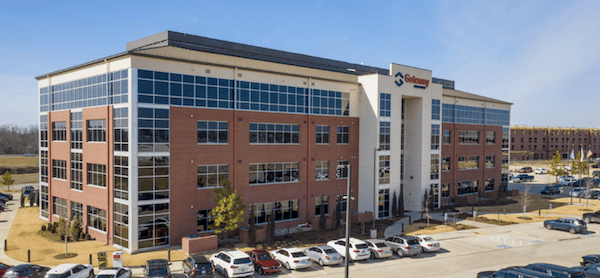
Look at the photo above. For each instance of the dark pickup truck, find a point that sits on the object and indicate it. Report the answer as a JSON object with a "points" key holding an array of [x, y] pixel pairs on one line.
{"points": [[523, 178], [591, 217]]}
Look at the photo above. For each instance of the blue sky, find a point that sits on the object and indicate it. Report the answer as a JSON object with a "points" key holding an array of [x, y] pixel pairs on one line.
{"points": [[543, 56]]}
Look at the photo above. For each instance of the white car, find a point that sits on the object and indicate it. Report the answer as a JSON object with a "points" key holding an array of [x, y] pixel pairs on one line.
{"points": [[71, 271], [379, 249], [428, 244], [567, 181], [577, 192], [324, 255], [232, 263], [359, 250], [292, 258], [540, 171], [115, 272]]}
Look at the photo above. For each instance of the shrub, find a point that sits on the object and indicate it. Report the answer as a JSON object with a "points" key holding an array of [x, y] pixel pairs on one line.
{"points": [[88, 237], [82, 235], [49, 227], [62, 237], [43, 228]]}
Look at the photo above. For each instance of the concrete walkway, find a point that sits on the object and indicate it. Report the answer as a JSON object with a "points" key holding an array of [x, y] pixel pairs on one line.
{"points": [[6, 220]]}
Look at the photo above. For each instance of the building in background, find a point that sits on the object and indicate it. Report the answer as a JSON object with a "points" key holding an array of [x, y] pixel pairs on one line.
{"points": [[135, 143], [541, 143]]}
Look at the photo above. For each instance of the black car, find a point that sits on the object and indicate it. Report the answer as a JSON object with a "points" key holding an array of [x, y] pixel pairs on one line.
{"points": [[7, 196], [157, 268], [591, 217], [590, 271], [590, 259], [551, 189], [556, 270], [513, 272], [197, 266], [26, 271]]}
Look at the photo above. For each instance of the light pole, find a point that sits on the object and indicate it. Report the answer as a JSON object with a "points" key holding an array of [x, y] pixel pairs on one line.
{"points": [[348, 200]]}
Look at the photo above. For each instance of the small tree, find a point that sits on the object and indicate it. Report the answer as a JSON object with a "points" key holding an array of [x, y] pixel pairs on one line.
{"points": [[271, 226], [7, 179], [229, 211], [252, 229], [401, 202], [63, 230], [322, 218], [580, 167], [426, 204], [557, 168], [525, 198], [394, 205], [76, 229], [338, 213]]}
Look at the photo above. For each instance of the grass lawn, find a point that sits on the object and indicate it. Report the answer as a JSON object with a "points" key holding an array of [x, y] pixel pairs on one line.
{"points": [[26, 178], [24, 235], [16, 161]]}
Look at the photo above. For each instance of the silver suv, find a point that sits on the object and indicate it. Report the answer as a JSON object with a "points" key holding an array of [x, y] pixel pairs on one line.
{"points": [[404, 245]]}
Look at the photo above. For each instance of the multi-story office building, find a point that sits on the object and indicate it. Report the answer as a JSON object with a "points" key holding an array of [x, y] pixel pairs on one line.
{"points": [[541, 143], [135, 143]]}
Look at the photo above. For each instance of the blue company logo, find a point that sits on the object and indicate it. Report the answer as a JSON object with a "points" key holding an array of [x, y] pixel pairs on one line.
{"points": [[399, 82]]}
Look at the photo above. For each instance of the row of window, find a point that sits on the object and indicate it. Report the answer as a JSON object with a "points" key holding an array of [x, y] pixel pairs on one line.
{"points": [[460, 114], [96, 132], [467, 187], [552, 140], [96, 217], [96, 173]]}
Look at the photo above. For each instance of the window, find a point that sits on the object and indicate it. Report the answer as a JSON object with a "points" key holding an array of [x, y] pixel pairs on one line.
{"points": [[435, 167], [76, 171], [204, 221], [447, 139], [343, 202], [76, 130], [468, 187], [265, 133], [384, 203], [96, 130], [153, 130], [385, 104], [435, 109], [322, 133], [96, 174], [468, 162], [284, 210], [384, 169], [490, 161], [341, 172], [77, 210], [59, 207], [212, 132], [505, 137], [59, 131], [121, 227], [446, 163], [97, 218], [44, 166], [343, 136], [529, 140], [384, 136], [445, 190], [467, 137], [121, 129], [44, 131], [153, 181], [435, 137], [279, 172], [211, 176], [322, 170], [489, 184], [490, 137], [121, 177], [59, 169], [325, 202], [153, 225], [44, 200]]}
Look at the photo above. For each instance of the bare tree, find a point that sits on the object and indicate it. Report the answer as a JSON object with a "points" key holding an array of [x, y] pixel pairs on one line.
{"points": [[526, 198], [426, 204]]}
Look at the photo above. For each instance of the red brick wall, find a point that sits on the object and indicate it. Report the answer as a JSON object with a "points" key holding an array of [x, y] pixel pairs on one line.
{"points": [[545, 142]]}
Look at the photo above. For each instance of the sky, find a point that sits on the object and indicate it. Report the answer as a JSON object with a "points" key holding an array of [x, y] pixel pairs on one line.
{"points": [[542, 56]]}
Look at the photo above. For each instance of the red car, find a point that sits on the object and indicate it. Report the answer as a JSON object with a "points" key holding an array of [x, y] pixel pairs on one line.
{"points": [[263, 261], [3, 269], [526, 170]]}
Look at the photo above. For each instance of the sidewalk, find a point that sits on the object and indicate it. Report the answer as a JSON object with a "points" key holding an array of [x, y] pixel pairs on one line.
{"points": [[6, 220], [396, 228]]}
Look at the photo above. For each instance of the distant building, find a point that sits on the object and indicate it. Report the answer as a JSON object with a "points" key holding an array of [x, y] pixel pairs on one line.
{"points": [[136, 142], [541, 143]]}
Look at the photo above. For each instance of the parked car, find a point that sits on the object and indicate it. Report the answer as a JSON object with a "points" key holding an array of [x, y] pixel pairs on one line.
{"points": [[379, 249], [523, 178], [592, 194], [263, 261], [428, 244], [561, 178], [525, 170], [567, 181], [540, 171], [576, 192], [115, 272], [590, 271], [573, 225], [232, 263], [292, 258], [26, 271], [517, 272], [552, 189], [359, 250], [556, 270], [2, 206], [197, 266], [324, 255], [592, 217], [404, 245], [7, 196], [3, 269], [158, 268], [71, 271], [590, 259]]}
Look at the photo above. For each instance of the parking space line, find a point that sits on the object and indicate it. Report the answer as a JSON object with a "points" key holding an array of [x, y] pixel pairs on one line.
{"points": [[312, 266]]}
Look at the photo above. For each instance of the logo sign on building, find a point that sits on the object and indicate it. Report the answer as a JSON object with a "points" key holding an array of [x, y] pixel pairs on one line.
{"points": [[418, 82]]}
